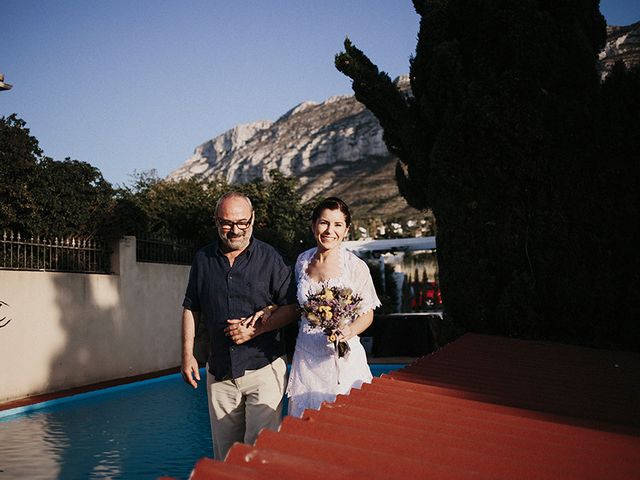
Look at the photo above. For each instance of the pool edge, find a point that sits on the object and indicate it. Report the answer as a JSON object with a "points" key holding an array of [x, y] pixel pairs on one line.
{"points": [[36, 402]]}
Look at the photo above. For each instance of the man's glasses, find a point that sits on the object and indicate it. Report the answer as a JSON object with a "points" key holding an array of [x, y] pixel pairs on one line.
{"points": [[228, 224]]}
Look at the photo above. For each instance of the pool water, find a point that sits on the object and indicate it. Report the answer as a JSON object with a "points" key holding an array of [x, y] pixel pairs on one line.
{"points": [[153, 428]]}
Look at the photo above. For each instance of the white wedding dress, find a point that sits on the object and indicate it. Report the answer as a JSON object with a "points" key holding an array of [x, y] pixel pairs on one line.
{"points": [[317, 374]]}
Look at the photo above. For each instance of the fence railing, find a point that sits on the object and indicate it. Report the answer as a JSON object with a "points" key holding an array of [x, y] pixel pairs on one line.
{"points": [[54, 255], [163, 250]]}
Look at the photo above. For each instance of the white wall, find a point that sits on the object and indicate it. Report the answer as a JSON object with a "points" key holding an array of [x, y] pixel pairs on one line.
{"points": [[74, 329]]}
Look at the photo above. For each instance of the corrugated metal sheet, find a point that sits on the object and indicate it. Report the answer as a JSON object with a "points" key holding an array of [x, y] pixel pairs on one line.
{"points": [[482, 407]]}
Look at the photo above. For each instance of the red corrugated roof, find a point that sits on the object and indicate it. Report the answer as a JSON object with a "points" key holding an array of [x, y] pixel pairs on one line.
{"points": [[482, 407]]}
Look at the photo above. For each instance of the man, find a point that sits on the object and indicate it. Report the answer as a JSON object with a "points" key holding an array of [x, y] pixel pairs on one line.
{"points": [[236, 283]]}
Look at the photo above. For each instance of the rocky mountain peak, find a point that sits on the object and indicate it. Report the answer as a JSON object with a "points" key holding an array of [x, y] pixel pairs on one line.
{"points": [[304, 142], [623, 44]]}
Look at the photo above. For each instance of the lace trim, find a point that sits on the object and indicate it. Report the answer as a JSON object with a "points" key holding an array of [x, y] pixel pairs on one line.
{"points": [[307, 285]]}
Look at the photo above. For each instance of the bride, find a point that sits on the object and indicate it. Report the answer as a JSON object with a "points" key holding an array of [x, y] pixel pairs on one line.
{"points": [[317, 374]]}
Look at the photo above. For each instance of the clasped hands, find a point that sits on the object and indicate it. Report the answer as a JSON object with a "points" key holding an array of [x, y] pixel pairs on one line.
{"points": [[241, 330]]}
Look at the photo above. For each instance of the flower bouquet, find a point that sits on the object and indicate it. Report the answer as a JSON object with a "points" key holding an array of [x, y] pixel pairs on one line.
{"points": [[329, 310]]}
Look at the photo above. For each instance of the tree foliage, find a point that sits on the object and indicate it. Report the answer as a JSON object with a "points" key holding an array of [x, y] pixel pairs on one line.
{"points": [[173, 209], [185, 209], [41, 196], [72, 198], [19, 157], [528, 162], [282, 219]]}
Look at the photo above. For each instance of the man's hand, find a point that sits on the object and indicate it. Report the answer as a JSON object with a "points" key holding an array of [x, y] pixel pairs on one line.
{"points": [[240, 330], [189, 370]]}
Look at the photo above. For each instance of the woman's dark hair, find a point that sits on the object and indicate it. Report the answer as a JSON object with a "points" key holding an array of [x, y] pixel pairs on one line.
{"points": [[331, 203]]}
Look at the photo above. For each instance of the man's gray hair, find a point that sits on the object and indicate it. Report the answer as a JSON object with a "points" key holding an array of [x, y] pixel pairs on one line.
{"points": [[232, 194]]}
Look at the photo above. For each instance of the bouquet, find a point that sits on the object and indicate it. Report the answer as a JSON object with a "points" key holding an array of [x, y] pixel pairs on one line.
{"points": [[329, 310]]}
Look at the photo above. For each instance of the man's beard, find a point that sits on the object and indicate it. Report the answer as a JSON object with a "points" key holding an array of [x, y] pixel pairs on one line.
{"points": [[236, 242]]}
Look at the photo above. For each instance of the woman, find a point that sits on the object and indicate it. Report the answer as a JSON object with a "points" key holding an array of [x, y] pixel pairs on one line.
{"points": [[317, 373]]}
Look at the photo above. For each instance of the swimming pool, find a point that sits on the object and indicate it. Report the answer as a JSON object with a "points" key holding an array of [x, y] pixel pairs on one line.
{"points": [[138, 431]]}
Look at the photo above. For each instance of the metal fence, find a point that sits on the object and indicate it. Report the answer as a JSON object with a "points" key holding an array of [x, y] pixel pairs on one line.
{"points": [[54, 255], [165, 250]]}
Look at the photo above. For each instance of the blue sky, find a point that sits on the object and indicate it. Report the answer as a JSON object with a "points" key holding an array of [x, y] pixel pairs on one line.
{"points": [[134, 85]]}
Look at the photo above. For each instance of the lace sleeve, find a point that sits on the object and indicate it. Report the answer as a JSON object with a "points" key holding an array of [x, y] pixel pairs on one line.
{"points": [[362, 284], [302, 283]]}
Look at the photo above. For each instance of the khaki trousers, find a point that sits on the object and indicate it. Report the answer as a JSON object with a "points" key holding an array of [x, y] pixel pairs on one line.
{"points": [[240, 408]]}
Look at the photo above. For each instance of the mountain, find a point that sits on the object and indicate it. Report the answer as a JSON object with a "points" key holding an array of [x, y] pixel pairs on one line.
{"points": [[623, 44], [332, 148], [336, 147]]}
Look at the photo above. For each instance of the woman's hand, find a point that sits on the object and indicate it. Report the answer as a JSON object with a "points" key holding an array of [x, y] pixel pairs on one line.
{"points": [[262, 315], [346, 333], [356, 327], [240, 330]]}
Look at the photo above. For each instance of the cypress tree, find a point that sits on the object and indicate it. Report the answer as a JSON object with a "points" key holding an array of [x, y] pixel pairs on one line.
{"points": [[528, 162]]}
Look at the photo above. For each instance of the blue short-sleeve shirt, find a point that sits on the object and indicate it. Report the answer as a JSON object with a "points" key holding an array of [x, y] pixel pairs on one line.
{"points": [[258, 277]]}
